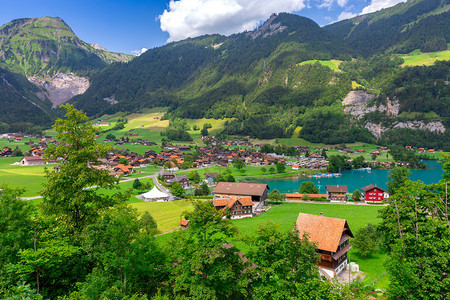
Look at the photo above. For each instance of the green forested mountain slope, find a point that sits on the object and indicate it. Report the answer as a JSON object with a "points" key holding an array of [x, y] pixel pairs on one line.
{"points": [[21, 108], [415, 24], [46, 46], [250, 73]]}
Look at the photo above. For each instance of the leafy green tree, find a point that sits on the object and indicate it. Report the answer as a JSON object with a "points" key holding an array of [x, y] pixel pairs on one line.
{"points": [[324, 153], [308, 187], [204, 132], [238, 164], [148, 223], [123, 161], [111, 137], [358, 162], [204, 264], [285, 265], [137, 185], [111, 240], [276, 196], [280, 167], [194, 177], [357, 195], [67, 194], [397, 177], [263, 169], [367, 240], [417, 237], [205, 189], [167, 165], [374, 157], [177, 190], [272, 169]]}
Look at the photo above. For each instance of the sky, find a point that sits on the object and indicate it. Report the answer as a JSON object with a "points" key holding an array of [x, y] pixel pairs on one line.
{"points": [[128, 26]]}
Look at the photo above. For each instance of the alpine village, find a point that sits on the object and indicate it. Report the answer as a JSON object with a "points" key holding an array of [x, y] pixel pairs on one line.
{"points": [[290, 161]]}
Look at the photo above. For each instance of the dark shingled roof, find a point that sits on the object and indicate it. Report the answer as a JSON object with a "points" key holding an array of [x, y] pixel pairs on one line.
{"points": [[239, 188], [372, 186], [337, 188]]}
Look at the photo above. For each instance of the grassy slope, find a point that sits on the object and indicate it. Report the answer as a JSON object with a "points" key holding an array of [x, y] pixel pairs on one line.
{"points": [[417, 58], [332, 64]]}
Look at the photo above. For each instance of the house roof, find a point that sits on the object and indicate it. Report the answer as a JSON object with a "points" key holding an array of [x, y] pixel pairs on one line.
{"points": [[184, 222], [337, 188], [230, 201], [326, 232], [239, 188], [212, 175], [372, 186], [33, 158]]}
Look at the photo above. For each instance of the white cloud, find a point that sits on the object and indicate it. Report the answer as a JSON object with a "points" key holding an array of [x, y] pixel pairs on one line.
{"points": [[139, 52], [329, 3], [376, 5], [191, 18], [345, 15]]}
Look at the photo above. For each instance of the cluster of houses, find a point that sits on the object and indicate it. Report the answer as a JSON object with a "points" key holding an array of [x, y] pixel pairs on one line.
{"points": [[339, 194], [215, 142], [313, 161]]}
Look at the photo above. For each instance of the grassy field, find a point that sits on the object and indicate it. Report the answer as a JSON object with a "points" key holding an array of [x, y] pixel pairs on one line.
{"points": [[29, 177], [332, 64], [166, 214], [148, 125], [417, 58], [357, 216]]}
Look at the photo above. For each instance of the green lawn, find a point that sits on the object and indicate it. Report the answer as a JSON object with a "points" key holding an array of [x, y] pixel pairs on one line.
{"points": [[29, 177], [166, 214]]}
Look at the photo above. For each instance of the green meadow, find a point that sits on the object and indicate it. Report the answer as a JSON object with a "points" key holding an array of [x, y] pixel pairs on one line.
{"points": [[332, 64], [29, 177], [418, 58]]}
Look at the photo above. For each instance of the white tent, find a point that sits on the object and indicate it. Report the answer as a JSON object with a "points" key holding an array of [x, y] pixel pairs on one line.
{"points": [[155, 195]]}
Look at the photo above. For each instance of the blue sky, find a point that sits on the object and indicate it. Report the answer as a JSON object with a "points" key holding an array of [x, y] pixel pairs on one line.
{"points": [[126, 26]]}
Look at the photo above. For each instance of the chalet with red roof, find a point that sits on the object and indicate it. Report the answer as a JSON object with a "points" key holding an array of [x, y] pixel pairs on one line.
{"points": [[374, 194], [240, 207], [331, 236]]}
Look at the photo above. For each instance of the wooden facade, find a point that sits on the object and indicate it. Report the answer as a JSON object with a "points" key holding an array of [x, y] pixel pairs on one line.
{"points": [[240, 207]]}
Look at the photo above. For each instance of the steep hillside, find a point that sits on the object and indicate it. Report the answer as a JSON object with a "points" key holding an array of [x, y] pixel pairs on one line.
{"points": [[21, 107], [250, 73], [416, 24], [47, 46]]}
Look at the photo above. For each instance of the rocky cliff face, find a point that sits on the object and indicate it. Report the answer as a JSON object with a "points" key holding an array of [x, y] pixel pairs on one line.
{"points": [[358, 104], [61, 87]]}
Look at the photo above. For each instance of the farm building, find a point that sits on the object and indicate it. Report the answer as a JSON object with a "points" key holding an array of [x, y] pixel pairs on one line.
{"points": [[258, 192], [32, 161], [331, 236]]}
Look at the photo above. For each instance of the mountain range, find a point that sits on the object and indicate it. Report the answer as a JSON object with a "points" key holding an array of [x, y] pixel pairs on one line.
{"points": [[344, 82]]}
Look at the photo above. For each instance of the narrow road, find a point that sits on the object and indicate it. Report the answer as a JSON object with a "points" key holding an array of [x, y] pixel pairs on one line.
{"points": [[153, 176]]}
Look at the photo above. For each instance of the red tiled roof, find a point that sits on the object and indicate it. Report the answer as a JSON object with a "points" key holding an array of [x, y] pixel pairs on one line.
{"points": [[229, 201], [184, 222], [324, 231]]}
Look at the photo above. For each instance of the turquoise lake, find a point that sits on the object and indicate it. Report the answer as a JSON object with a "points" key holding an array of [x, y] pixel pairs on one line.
{"points": [[355, 179]]}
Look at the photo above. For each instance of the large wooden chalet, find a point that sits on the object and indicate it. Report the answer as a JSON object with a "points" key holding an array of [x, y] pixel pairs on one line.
{"points": [[240, 207], [337, 193], [257, 192], [331, 237]]}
